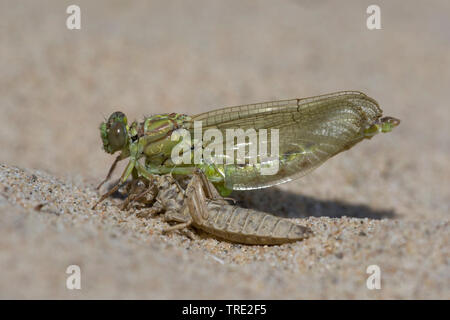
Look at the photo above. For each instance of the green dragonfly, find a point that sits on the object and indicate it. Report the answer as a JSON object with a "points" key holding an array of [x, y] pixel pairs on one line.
{"points": [[306, 132]]}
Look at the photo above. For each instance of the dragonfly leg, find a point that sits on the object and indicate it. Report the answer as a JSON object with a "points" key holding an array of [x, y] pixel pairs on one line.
{"points": [[156, 209], [160, 170], [191, 235], [184, 221], [209, 189], [133, 194], [122, 179], [142, 194], [111, 170], [195, 201], [177, 226], [143, 175], [179, 186], [107, 194]]}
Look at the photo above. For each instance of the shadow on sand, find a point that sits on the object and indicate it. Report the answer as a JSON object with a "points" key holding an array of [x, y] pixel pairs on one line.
{"points": [[287, 204]]}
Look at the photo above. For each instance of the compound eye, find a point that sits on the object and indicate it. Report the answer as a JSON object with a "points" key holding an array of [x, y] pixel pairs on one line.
{"points": [[117, 136]]}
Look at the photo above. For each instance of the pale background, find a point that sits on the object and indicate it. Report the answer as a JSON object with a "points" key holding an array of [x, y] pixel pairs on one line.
{"points": [[146, 57]]}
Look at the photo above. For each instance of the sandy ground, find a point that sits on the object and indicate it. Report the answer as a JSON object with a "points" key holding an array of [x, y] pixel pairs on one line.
{"points": [[385, 202]]}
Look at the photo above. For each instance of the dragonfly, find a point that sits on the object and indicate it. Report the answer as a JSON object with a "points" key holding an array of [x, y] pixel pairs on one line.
{"points": [[308, 132]]}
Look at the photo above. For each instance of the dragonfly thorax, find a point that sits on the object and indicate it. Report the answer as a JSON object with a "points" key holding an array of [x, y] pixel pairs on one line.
{"points": [[160, 126]]}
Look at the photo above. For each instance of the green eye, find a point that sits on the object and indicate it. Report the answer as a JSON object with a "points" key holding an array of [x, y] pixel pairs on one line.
{"points": [[117, 136], [114, 132]]}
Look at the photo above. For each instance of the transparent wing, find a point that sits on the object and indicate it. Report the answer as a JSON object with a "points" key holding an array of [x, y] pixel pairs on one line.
{"points": [[310, 131]]}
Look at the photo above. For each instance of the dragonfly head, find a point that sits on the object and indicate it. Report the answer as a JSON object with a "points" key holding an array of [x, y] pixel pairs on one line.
{"points": [[114, 132], [385, 124]]}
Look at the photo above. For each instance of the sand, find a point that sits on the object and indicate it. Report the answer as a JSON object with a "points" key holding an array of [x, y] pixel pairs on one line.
{"points": [[384, 202]]}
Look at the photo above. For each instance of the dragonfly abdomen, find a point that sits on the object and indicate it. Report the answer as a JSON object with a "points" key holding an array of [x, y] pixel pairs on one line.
{"points": [[249, 226]]}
